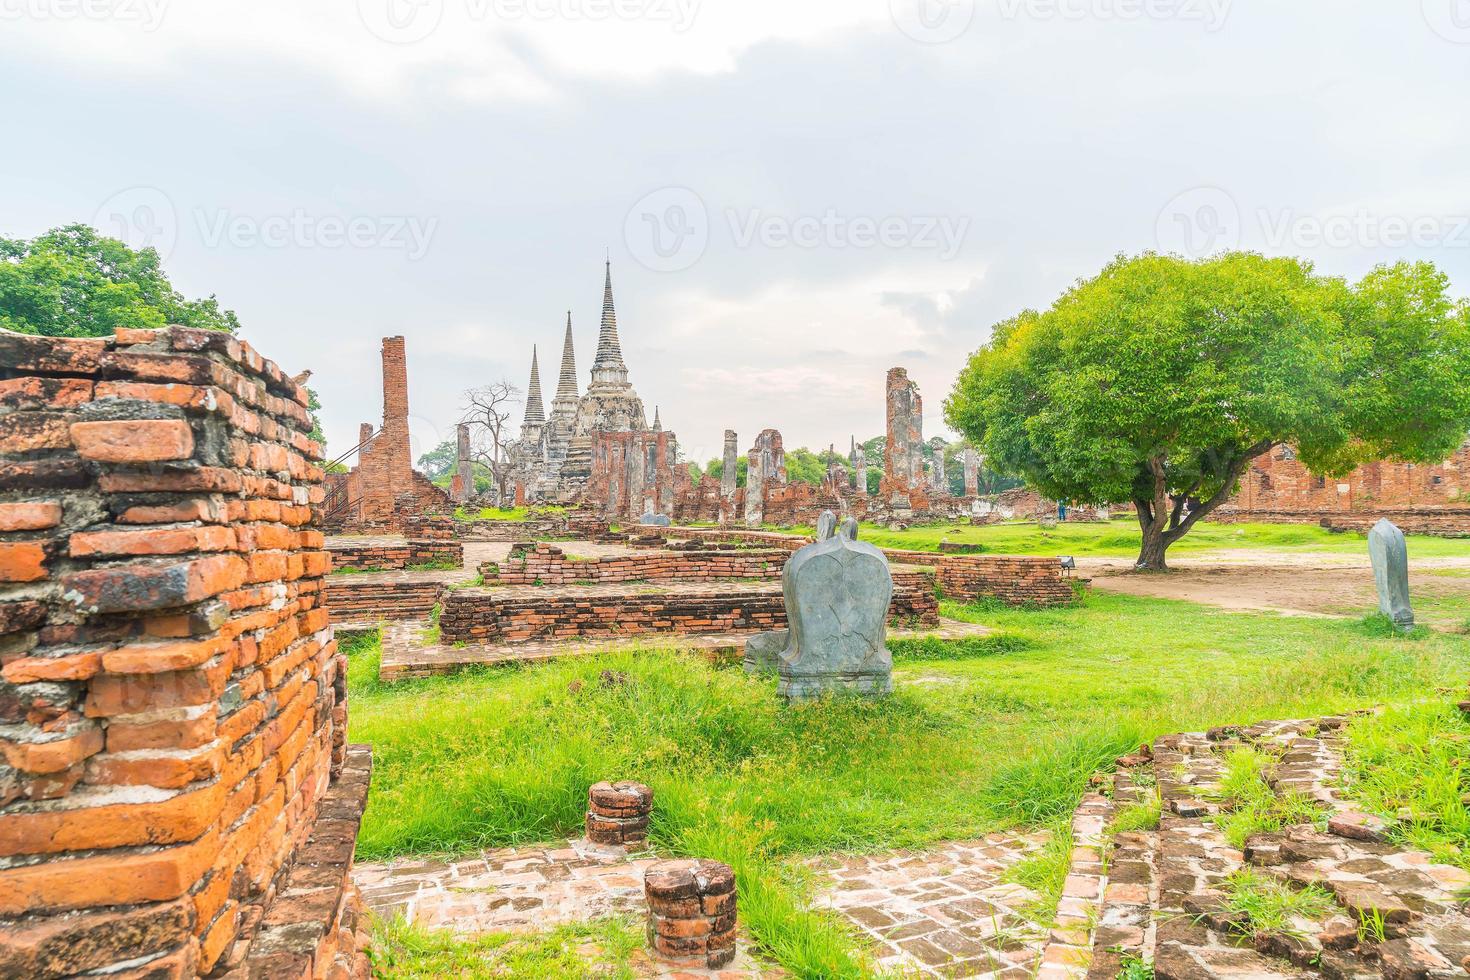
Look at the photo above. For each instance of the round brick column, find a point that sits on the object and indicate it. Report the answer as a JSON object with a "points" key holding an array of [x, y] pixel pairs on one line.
{"points": [[691, 912], [617, 813]]}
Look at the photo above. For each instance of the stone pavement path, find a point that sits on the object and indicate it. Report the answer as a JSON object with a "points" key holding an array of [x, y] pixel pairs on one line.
{"points": [[945, 912], [525, 889]]}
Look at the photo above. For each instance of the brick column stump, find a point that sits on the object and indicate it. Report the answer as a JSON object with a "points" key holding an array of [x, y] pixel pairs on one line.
{"points": [[617, 813], [691, 912]]}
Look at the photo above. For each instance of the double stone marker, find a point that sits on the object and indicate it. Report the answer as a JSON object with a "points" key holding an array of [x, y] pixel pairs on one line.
{"points": [[691, 903]]}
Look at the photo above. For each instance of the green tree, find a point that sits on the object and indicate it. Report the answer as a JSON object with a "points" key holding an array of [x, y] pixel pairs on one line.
{"points": [[805, 466], [440, 461], [1160, 380], [715, 469], [73, 282]]}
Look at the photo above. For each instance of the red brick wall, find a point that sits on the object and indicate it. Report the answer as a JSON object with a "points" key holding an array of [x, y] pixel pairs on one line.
{"points": [[548, 565], [525, 614], [172, 703], [1016, 579], [1278, 485], [372, 598], [383, 557]]}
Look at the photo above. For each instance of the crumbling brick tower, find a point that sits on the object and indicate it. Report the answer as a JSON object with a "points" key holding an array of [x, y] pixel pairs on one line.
{"points": [[902, 486], [176, 795], [386, 465]]}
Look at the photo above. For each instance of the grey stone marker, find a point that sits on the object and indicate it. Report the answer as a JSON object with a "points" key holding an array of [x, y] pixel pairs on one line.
{"points": [[1390, 554], [654, 520], [837, 593]]}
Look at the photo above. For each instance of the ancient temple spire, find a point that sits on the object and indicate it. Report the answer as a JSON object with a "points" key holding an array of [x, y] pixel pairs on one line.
{"points": [[657, 425], [608, 366], [566, 385], [535, 412]]}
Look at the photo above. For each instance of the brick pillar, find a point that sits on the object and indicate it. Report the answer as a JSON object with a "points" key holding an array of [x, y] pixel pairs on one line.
{"points": [[617, 813], [691, 912], [903, 462], [972, 473], [386, 464], [729, 476], [172, 699], [464, 468]]}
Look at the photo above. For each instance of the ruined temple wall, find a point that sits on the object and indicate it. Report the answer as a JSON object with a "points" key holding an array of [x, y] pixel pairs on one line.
{"points": [[632, 472], [1280, 483], [172, 702]]}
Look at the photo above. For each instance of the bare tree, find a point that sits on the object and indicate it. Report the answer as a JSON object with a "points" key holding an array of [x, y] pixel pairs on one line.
{"points": [[488, 410]]}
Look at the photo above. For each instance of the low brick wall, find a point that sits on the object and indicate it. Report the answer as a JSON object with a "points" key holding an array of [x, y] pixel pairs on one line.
{"points": [[547, 564], [379, 555], [370, 598], [1016, 579], [1445, 523], [722, 535], [521, 614], [172, 703]]}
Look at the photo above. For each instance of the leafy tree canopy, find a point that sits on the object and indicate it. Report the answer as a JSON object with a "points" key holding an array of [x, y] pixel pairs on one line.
{"points": [[73, 282], [1160, 379]]}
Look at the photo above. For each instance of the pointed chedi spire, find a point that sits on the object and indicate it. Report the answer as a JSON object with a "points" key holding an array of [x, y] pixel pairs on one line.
{"points": [[657, 425], [566, 384], [535, 412], [564, 405], [608, 367]]}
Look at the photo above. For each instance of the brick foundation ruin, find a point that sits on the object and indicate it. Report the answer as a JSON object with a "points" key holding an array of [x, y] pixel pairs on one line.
{"points": [[546, 564], [1014, 579], [526, 613], [617, 813], [177, 796]]}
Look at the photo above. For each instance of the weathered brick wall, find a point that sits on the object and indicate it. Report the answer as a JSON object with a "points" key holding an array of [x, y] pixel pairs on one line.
{"points": [[1446, 522], [387, 596], [720, 535], [172, 703], [1016, 579], [523, 614], [1279, 486], [547, 564], [381, 556]]}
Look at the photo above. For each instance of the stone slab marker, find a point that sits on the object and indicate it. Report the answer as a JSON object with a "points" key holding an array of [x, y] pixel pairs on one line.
{"points": [[837, 593], [1390, 554], [691, 912], [972, 473]]}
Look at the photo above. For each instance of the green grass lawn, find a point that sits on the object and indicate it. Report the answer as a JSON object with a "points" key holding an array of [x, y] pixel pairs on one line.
{"points": [[1000, 732], [507, 513], [1121, 539]]}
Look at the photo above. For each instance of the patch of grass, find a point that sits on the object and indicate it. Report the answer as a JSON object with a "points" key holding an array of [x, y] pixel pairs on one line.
{"points": [[1410, 765], [1382, 627], [433, 566], [503, 756], [1121, 539], [1141, 814], [1252, 806], [933, 648], [1045, 872], [402, 951], [1135, 968], [508, 513], [358, 571], [1269, 905]]}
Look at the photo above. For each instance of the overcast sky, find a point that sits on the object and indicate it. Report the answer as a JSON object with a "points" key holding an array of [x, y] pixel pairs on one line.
{"points": [[796, 195]]}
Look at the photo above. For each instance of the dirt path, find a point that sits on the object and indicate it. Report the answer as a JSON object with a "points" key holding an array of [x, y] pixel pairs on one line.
{"points": [[1301, 584]]}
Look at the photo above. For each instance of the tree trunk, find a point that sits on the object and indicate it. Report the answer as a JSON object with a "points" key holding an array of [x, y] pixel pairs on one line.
{"points": [[1155, 544]]}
